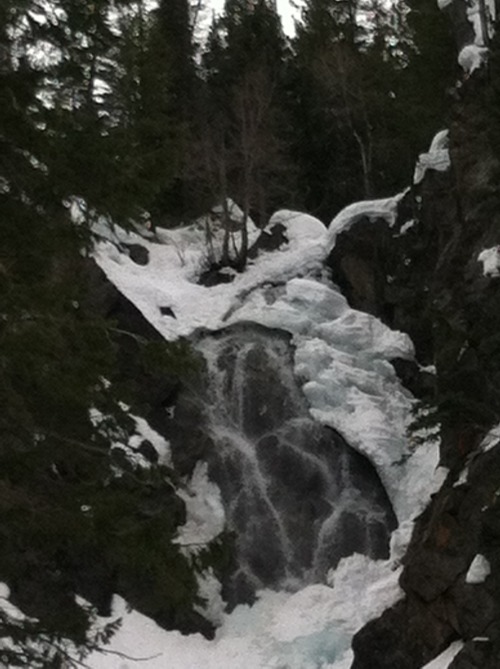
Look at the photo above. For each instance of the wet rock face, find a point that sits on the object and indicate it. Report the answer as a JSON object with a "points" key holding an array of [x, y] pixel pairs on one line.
{"points": [[296, 496]]}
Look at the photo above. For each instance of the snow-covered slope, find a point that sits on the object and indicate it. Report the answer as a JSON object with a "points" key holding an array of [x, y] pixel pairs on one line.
{"points": [[342, 362]]}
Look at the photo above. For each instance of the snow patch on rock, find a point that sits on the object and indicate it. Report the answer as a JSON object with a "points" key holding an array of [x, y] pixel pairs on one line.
{"points": [[385, 209], [437, 158], [479, 570], [490, 258], [472, 57], [204, 510]]}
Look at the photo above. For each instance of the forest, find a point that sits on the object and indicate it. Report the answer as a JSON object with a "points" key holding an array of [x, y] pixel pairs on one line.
{"points": [[134, 113]]}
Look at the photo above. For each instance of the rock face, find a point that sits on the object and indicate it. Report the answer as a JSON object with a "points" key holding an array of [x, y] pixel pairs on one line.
{"points": [[297, 497], [426, 280], [440, 605]]}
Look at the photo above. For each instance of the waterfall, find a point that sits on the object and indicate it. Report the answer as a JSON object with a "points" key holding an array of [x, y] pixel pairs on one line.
{"points": [[297, 497]]}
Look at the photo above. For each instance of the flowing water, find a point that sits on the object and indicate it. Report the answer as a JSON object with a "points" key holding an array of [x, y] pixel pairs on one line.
{"points": [[297, 497]]}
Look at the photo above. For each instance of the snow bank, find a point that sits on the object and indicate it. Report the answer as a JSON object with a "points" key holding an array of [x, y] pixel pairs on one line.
{"points": [[437, 158], [310, 629]]}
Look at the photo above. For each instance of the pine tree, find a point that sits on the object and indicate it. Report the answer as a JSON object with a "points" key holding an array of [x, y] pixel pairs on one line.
{"points": [[73, 510], [171, 85]]}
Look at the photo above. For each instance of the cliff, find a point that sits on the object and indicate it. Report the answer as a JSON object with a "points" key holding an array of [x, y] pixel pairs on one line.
{"points": [[435, 275]]}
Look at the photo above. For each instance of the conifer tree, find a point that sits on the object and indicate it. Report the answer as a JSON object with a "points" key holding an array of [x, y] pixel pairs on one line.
{"points": [[74, 512], [171, 83]]}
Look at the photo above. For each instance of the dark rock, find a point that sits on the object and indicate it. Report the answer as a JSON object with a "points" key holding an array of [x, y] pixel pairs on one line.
{"points": [[138, 253], [147, 450], [167, 311], [440, 605], [420, 383], [405, 637], [215, 275], [269, 240]]}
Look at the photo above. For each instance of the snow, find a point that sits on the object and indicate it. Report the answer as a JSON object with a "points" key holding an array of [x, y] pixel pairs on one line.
{"points": [[407, 226], [491, 439], [169, 280], [204, 509], [472, 57], [143, 432], [479, 570], [385, 209], [490, 258], [299, 227], [444, 660], [310, 629], [444, 3], [342, 359], [437, 158]]}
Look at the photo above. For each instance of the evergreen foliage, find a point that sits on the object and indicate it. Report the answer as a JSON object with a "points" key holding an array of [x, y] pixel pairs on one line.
{"points": [[77, 517]]}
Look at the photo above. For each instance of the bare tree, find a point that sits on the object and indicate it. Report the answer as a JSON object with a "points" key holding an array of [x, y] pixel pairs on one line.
{"points": [[241, 158]]}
